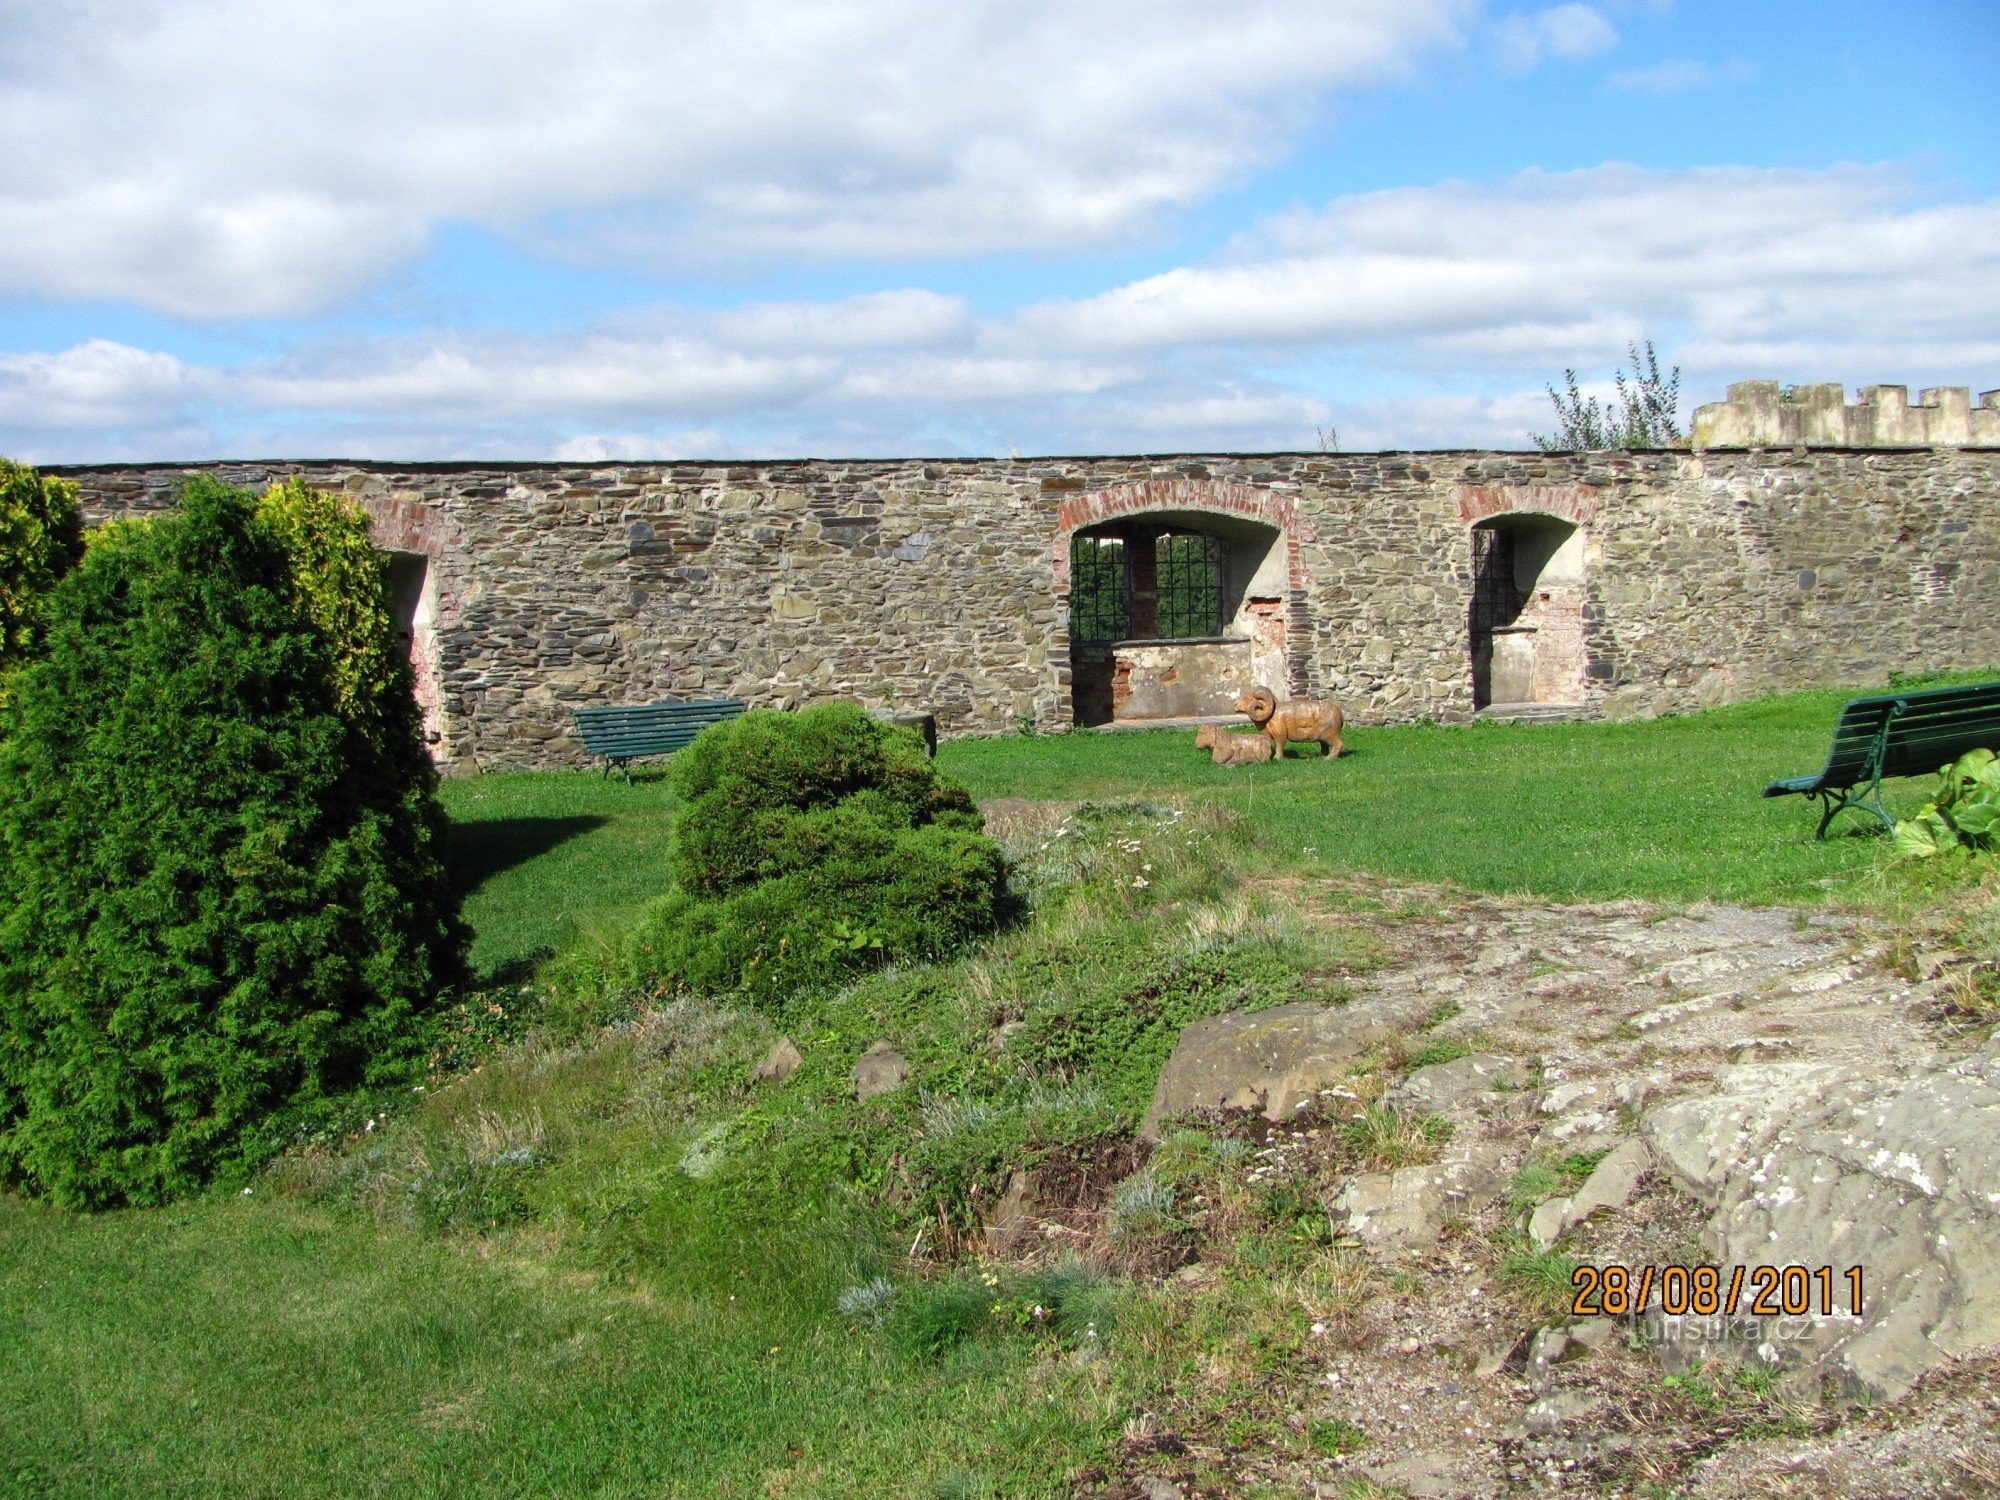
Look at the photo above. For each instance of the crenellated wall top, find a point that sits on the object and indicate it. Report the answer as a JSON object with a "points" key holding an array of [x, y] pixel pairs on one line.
{"points": [[1765, 414]]}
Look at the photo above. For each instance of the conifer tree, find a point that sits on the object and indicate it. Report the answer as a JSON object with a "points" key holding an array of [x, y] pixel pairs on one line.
{"points": [[222, 897]]}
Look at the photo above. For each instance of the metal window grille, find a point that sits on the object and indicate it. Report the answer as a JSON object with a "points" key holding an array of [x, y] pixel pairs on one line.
{"points": [[1189, 571], [1495, 600], [1100, 589]]}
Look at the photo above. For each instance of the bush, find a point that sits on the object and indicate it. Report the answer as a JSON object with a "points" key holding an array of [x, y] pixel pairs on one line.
{"points": [[810, 846], [222, 901], [41, 537]]}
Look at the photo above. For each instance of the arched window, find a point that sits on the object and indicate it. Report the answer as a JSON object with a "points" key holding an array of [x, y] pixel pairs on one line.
{"points": [[1138, 581]]}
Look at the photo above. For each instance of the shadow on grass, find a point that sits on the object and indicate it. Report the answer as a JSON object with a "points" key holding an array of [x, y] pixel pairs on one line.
{"points": [[481, 850]]}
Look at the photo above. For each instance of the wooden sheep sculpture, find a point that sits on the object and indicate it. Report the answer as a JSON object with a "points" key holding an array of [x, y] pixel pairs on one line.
{"points": [[1227, 749], [1297, 721]]}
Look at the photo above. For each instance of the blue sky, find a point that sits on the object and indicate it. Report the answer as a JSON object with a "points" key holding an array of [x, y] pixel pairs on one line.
{"points": [[662, 228]]}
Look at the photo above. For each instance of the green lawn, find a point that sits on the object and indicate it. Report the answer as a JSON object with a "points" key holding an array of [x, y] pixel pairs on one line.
{"points": [[263, 1348], [545, 859], [1668, 809], [272, 1344]]}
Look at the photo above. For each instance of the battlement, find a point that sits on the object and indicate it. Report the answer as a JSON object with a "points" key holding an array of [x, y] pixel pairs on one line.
{"points": [[1764, 414]]}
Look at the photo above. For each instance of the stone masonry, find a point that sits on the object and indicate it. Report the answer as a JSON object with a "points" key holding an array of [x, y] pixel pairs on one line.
{"points": [[942, 585]]}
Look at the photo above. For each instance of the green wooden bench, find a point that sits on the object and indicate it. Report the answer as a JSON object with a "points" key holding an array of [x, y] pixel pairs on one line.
{"points": [[1897, 734], [623, 734]]}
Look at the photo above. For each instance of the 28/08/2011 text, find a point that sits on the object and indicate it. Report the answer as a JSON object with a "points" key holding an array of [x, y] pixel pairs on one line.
{"points": [[1793, 1291]]}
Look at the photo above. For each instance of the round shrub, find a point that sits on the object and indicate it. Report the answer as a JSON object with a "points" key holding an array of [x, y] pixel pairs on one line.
{"points": [[222, 899], [809, 846]]}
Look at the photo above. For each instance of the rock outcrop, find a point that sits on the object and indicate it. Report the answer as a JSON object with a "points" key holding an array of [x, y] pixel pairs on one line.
{"points": [[1273, 1061], [1813, 1165]]}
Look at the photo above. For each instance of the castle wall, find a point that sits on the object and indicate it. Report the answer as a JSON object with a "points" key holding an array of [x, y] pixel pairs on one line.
{"points": [[942, 585]]}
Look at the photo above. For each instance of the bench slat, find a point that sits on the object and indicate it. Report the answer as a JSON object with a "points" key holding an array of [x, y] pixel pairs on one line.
{"points": [[622, 732]]}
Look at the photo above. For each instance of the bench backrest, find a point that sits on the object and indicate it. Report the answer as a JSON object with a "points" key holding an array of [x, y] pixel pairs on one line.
{"points": [[649, 728], [1927, 730]]}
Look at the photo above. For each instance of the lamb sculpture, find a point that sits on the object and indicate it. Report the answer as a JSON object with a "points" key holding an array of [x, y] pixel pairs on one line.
{"points": [[1227, 749], [1298, 721]]}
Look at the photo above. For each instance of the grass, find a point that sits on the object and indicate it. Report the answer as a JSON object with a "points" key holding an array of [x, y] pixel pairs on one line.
{"points": [[544, 859], [601, 1263], [263, 1348], [1669, 810]]}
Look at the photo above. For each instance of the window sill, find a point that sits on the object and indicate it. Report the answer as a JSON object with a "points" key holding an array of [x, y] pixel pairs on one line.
{"points": [[1172, 640]]}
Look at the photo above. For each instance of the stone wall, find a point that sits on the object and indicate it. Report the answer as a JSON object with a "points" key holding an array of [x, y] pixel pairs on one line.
{"points": [[943, 585]]}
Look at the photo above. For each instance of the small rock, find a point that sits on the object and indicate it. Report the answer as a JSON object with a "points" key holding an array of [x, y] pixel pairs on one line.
{"points": [[1552, 1414], [1397, 1212], [1546, 1224], [1269, 1060], [1417, 1476], [1932, 963], [1495, 1360], [1543, 1356], [1152, 1487], [780, 1063], [880, 1071], [1610, 1186], [1009, 1216], [1592, 1333], [1614, 1181]]}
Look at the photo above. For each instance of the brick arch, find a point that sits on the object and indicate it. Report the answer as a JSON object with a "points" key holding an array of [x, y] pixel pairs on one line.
{"points": [[1213, 496], [1210, 497], [1574, 503], [412, 527], [409, 526]]}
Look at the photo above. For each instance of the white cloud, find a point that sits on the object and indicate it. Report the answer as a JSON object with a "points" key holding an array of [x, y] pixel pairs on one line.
{"points": [[1465, 297], [1565, 31], [99, 384], [1519, 270], [232, 158], [1681, 75]]}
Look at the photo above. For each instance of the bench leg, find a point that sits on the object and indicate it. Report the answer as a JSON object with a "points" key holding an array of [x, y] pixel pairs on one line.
{"points": [[1840, 802]]}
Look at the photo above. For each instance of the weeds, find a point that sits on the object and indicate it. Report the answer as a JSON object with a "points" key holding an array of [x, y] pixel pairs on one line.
{"points": [[1386, 1140], [1334, 1436], [1543, 1277], [1551, 1177]]}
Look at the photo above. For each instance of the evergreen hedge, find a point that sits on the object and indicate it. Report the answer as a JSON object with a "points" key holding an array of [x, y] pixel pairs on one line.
{"points": [[222, 896], [809, 846], [41, 537]]}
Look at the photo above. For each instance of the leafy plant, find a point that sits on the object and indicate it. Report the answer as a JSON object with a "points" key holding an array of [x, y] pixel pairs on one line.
{"points": [[221, 902], [1335, 1436], [1962, 816], [1645, 415]]}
